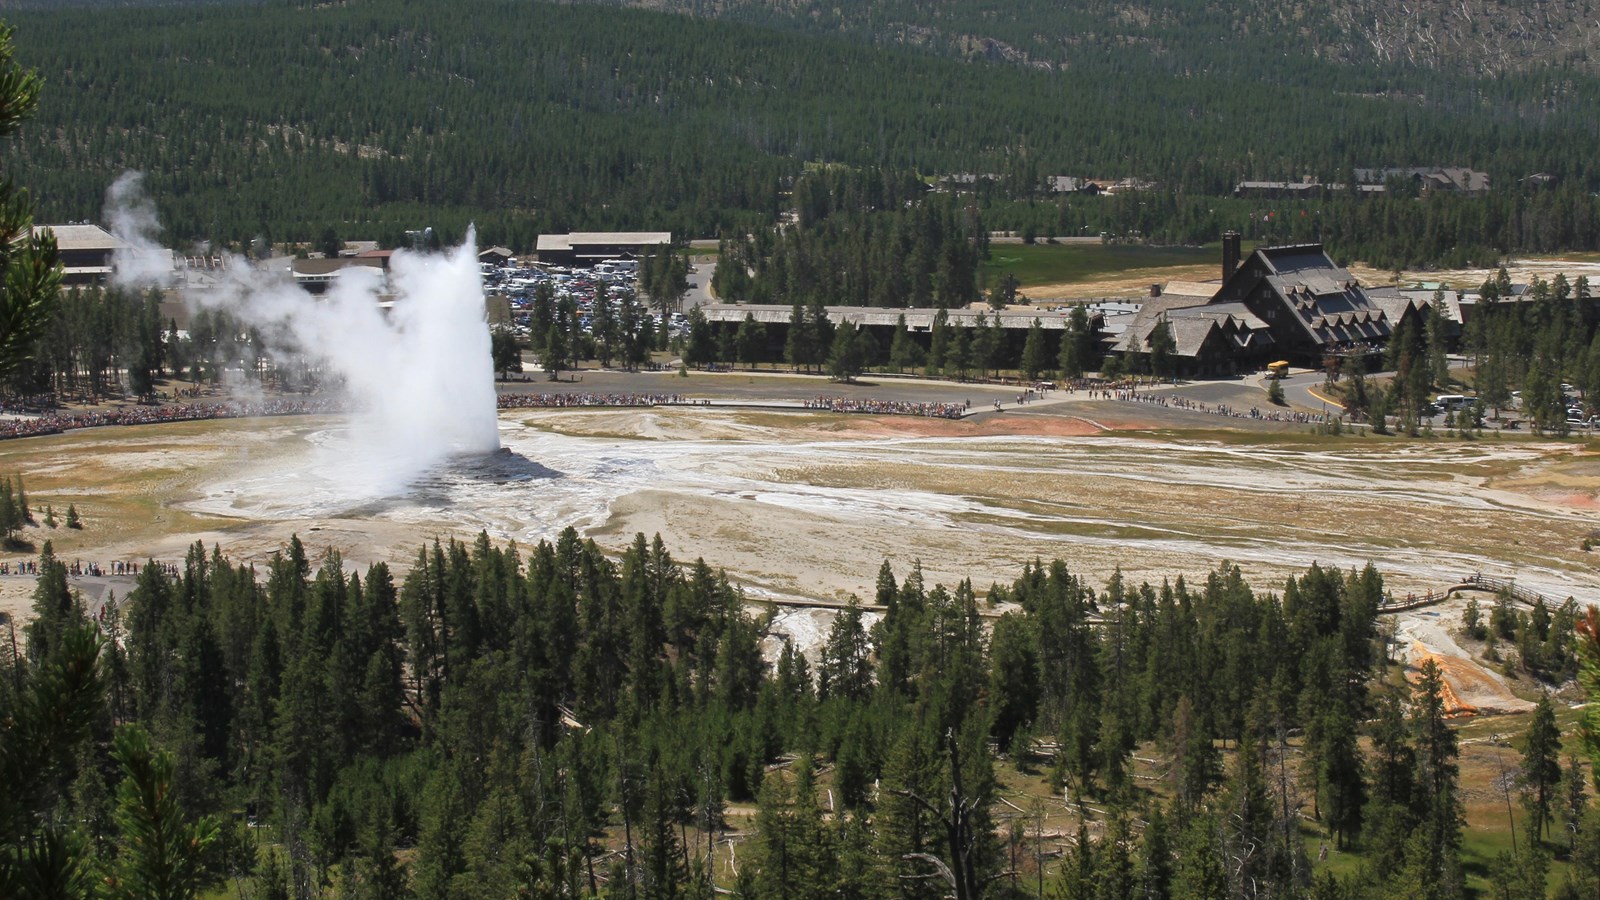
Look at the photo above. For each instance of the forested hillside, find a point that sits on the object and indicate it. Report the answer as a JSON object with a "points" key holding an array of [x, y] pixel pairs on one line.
{"points": [[564, 724], [277, 119], [1480, 36]]}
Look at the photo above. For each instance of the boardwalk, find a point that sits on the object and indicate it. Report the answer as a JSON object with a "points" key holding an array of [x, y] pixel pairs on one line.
{"points": [[1485, 583]]}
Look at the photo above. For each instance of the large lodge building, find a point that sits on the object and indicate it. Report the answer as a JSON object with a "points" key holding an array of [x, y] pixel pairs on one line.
{"points": [[1289, 302], [1285, 302]]}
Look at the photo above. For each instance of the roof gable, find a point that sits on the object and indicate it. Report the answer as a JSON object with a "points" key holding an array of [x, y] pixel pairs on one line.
{"points": [[1326, 301]]}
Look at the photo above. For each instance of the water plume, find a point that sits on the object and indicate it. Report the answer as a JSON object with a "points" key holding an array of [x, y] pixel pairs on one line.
{"points": [[416, 378]]}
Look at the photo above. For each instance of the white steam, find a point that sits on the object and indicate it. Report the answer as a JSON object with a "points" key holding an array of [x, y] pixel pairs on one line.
{"points": [[140, 261], [417, 379]]}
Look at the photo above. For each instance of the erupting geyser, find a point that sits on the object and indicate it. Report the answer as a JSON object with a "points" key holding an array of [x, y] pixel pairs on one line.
{"points": [[417, 379]]}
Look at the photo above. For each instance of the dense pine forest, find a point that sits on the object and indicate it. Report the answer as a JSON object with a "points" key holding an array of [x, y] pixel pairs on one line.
{"points": [[1476, 36], [282, 119], [558, 722]]}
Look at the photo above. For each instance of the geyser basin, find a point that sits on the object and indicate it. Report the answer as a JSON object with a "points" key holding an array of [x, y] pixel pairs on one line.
{"points": [[418, 377], [333, 476], [794, 511]]}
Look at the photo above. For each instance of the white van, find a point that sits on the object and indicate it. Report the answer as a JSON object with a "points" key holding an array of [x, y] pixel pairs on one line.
{"points": [[1450, 402]]}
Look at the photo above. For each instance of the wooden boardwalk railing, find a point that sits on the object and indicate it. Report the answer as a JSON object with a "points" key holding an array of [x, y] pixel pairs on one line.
{"points": [[1486, 583]]}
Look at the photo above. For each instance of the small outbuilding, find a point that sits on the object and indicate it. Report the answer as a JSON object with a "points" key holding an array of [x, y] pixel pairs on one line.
{"points": [[495, 256], [585, 248], [85, 252]]}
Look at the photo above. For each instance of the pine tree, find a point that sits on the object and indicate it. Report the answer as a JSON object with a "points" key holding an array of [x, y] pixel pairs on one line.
{"points": [[55, 607], [1077, 344], [504, 352], [797, 346], [30, 280], [1343, 787], [939, 341], [751, 340], [1522, 875], [913, 768], [1585, 875], [1438, 364], [795, 853], [846, 669], [72, 517], [997, 352], [56, 704], [555, 351], [379, 875], [163, 854], [1541, 765], [1014, 677], [22, 504], [1035, 354], [664, 871], [604, 325], [700, 348], [1162, 347], [905, 354], [821, 326], [1437, 775], [982, 343], [1199, 872], [845, 359], [958, 361], [1574, 799], [1196, 763], [1155, 857], [10, 514]]}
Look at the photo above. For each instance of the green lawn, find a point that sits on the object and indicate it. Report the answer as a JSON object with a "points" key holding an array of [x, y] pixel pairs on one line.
{"points": [[1040, 264]]}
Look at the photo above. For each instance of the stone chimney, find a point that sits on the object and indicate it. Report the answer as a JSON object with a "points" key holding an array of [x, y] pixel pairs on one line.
{"points": [[1230, 254]]}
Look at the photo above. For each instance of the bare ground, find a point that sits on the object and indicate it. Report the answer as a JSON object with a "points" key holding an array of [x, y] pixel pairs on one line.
{"points": [[1136, 282], [805, 505]]}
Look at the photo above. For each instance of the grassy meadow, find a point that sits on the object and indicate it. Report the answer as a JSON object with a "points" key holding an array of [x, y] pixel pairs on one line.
{"points": [[1048, 264]]}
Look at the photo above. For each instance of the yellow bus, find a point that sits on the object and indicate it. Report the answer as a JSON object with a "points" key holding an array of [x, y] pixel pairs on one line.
{"points": [[1279, 369]]}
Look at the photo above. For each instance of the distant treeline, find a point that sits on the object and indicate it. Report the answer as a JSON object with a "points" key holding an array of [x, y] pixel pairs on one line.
{"points": [[282, 119], [872, 237]]}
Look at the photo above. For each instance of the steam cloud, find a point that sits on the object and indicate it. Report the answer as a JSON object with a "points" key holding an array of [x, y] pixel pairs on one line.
{"points": [[141, 261], [418, 380]]}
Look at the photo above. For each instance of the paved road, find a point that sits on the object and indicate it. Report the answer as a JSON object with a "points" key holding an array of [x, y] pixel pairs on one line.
{"points": [[1242, 392], [699, 292], [1305, 391]]}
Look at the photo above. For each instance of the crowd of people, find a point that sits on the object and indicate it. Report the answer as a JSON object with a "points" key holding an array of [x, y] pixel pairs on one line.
{"points": [[889, 407], [558, 401], [57, 422], [33, 403], [78, 568], [832, 404], [1221, 409], [1136, 390]]}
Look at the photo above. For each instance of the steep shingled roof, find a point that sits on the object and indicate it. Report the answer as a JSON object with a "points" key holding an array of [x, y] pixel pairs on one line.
{"points": [[1324, 297]]}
